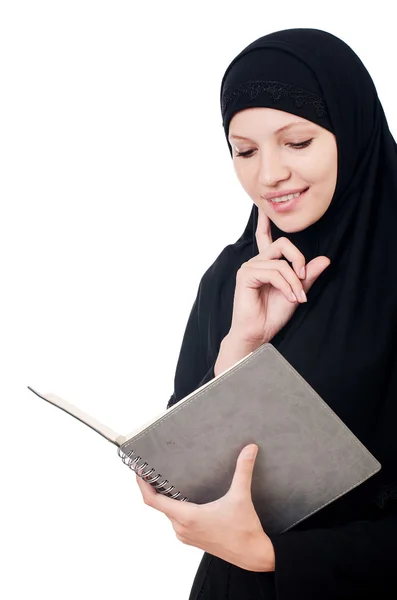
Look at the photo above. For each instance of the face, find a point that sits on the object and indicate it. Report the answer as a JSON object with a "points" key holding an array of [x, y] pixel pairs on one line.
{"points": [[275, 154]]}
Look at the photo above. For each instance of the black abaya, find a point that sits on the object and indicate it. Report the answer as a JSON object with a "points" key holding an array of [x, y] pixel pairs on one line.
{"points": [[342, 341]]}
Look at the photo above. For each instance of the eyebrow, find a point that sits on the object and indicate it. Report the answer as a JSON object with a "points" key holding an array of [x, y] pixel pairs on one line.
{"points": [[284, 128]]}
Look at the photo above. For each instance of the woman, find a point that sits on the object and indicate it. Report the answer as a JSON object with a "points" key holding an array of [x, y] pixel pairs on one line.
{"points": [[314, 273]]}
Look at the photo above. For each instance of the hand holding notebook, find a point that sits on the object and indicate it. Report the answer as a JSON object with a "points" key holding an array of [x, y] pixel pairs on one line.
{"points": [[228, 528], [307, 456]]}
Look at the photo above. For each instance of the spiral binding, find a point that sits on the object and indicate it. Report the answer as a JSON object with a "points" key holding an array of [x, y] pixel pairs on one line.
{"points": [[132, 462]]}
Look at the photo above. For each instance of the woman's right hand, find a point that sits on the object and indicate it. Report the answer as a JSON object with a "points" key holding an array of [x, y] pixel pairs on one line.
{"points": [[268, 292]]}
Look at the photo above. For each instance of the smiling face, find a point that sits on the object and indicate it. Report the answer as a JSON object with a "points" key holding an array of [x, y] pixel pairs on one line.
{"points": [[284, 154]]}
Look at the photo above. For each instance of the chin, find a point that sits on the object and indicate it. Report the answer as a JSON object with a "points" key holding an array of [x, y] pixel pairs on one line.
{"points": [[291, 227], [294, 225]]}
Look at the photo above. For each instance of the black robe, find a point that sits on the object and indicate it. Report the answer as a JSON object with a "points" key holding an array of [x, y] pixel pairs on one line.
{"points": [[343, 341], [346, 550]]}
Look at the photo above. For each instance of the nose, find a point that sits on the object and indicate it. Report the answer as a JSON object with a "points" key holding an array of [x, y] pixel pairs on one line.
{"points": [[272, 169]]}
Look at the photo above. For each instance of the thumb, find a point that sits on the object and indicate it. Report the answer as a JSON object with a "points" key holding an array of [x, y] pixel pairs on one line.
{"points": [[314, 269], [242, 479]]}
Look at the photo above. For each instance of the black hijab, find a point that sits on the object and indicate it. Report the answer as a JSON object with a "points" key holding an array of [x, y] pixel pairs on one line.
{"points": [[344, 339]]}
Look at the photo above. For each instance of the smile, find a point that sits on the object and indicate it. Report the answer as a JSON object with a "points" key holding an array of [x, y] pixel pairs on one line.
{"points": [[287, 202], [285, 198]]}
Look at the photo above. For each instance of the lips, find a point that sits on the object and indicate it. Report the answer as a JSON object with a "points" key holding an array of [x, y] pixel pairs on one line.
{"points": [[282, 193], [288, 205]]}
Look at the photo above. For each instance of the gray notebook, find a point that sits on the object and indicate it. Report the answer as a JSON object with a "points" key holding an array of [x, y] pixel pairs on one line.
{"points": [[307, 456]]}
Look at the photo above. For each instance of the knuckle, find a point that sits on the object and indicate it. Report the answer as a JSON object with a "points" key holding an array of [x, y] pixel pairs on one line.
{"points": [[287, 269], [190, 519], [178, 528], [241, 273], [283, 241], [247, 264], [188, 522], [277, 275], [273, 277], [283, 265]]}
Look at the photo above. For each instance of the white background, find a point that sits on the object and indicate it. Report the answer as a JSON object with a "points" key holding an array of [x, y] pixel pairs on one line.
{"points": [[117, 192]]}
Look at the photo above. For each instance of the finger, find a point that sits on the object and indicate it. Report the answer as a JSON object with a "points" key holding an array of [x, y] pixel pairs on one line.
{"points": [[172, 508], [314, 269], [242, 478], [289, 275], [146, 489], [255, 278], [284, 247], [263, 232]]}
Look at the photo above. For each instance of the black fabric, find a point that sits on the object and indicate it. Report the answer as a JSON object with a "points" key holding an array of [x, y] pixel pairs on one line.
{"points": [[286, 84], [342, 341]]}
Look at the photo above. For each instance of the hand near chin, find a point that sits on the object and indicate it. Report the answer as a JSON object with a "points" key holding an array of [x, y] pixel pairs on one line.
{"points": [[268, 290]]}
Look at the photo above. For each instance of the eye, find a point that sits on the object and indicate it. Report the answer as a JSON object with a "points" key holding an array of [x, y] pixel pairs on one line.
{"points": [[245, 154], [301, 144]]}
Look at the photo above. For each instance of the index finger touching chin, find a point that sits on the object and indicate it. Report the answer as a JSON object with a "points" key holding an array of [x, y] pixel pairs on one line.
{"points": [[263, 232]]}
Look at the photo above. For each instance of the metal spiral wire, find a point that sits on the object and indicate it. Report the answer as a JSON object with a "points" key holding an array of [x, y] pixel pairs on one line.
{"points": [[133, 463]]}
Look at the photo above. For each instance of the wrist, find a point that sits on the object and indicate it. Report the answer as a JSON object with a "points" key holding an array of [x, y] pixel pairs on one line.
{"points": [[232, 349], [246, 345]]}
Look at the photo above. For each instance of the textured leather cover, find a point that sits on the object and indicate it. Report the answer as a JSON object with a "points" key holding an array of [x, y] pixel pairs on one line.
{"points": [[307, 456]]}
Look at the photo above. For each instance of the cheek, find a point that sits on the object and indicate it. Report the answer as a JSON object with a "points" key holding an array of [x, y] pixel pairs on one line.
{"points": [[245, 174], [326, 165], [320, 170], [327, 175]]}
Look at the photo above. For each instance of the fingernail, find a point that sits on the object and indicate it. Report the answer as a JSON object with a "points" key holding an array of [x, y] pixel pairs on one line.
{"points": [[293, 297], [303, 296], [302, 273]]}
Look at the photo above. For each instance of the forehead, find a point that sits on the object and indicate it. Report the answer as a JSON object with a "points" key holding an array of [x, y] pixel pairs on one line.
{"points": [[251, 121]]}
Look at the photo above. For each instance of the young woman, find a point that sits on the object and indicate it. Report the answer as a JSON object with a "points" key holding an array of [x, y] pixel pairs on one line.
{"points": [[315, 274]]}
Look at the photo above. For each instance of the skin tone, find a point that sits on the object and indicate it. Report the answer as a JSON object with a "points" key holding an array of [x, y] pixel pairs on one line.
{"points": [[228, 528], [284, 152], [277, 158]]}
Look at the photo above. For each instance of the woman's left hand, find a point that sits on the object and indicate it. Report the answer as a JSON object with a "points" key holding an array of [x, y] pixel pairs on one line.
{"points": [[229, 527]]}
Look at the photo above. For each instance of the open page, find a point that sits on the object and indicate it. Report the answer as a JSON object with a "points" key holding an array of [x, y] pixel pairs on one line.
{"points": [[103, 430]]}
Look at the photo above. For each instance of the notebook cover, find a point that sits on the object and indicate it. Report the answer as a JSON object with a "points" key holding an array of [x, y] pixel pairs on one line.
{"points": [[307, 456]]}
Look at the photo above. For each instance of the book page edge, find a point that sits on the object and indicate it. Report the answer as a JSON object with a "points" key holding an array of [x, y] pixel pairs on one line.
{"points": [[77, 413]]}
